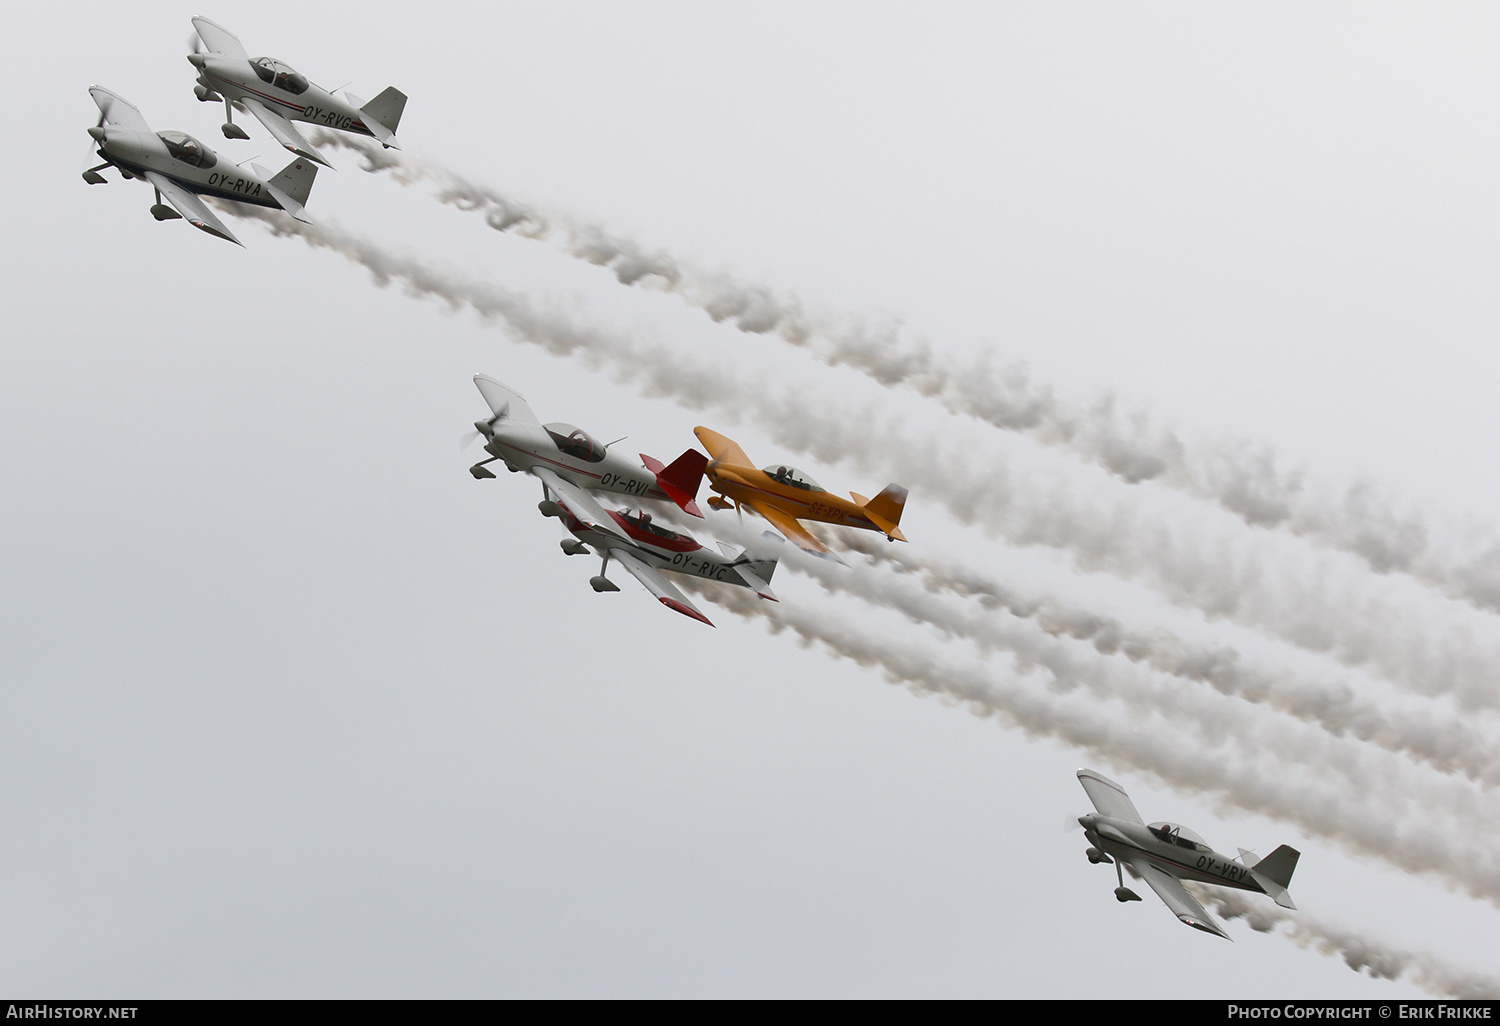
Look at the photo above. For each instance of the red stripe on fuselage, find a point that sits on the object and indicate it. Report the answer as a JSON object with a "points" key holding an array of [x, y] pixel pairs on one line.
{"points": [[653, 493], [1247, 884], [354, 123]]}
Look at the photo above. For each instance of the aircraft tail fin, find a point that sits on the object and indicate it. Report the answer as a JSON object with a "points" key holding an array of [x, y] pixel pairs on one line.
{"points": [[757, 573], [294, 183], [385, 110], [886, 508], [680, 480], [1274, 874]]}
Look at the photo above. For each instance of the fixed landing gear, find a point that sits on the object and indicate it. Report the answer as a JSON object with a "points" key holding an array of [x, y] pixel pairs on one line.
{"points": [[602, 583], [1123, 893], [161, 211], [229, 128]]}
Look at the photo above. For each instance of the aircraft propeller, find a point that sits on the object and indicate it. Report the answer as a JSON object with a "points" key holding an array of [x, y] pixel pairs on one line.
{"points": [[482, 429], [92, 175]]}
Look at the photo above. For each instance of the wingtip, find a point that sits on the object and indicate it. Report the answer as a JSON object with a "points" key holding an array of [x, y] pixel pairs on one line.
{"points": [[312, 155], [685, 610], [1205, 927]]}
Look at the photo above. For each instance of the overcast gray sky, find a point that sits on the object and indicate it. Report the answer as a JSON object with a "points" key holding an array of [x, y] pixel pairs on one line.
{"points": [[295, 707]]}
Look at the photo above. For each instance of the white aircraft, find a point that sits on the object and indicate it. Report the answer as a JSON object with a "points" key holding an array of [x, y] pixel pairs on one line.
{"points": [[650, 548], [277, 95], [1165, 854], [570, 463], [181, 169]]}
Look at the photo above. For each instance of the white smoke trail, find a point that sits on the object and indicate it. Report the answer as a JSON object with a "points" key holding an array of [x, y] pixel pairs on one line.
{"points": [[1460, 561], [1360, 953], [1258, 782], [1239, 582], [1215, 719], [1445, 743], [1177, 759]]}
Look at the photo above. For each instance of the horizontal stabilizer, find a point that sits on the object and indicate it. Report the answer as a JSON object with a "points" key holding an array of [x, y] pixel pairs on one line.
{"points": [[755, 584]]}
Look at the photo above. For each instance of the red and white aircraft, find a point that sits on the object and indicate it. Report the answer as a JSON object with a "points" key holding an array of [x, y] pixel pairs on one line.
{"points": [[648, 548]]}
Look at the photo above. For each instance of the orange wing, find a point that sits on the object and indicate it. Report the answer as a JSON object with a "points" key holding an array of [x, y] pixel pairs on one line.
{"points": [[794, 531], [721, 448]]}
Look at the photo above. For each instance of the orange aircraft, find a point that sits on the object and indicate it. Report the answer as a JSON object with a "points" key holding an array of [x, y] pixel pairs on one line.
{"points": [[784, 495]]}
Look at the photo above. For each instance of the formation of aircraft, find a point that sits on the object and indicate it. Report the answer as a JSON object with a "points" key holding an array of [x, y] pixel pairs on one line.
{"points": [[785, 496], [277, 95], [573, 466], [648, 548], [181, 169], [1165, 854]]}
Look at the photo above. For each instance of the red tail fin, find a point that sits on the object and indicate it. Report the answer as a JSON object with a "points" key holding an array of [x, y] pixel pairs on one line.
{"points": [[681, 480]]}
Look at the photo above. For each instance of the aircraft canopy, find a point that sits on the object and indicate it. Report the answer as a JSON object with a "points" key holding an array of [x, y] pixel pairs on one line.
{"points": [[187, 149], [1181, 836], [792, 476], [279, 75], [641, 520], [575, 442]]}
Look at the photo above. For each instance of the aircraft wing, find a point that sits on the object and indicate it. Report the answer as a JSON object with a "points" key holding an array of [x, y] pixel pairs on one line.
{"points": [[219, 39], [793, 529], [1108, 797], [657, 585], [721, 448], [117, 110], [505, 402], [187, 203], [1170, 890], [579, 503], [284, 131]]}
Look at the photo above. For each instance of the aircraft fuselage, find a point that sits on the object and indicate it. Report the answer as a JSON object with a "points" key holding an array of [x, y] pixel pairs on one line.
{"points": [[749, 485], [680, 554], [235, 79], [138, 152], [1124, 840], [529, 446]]}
